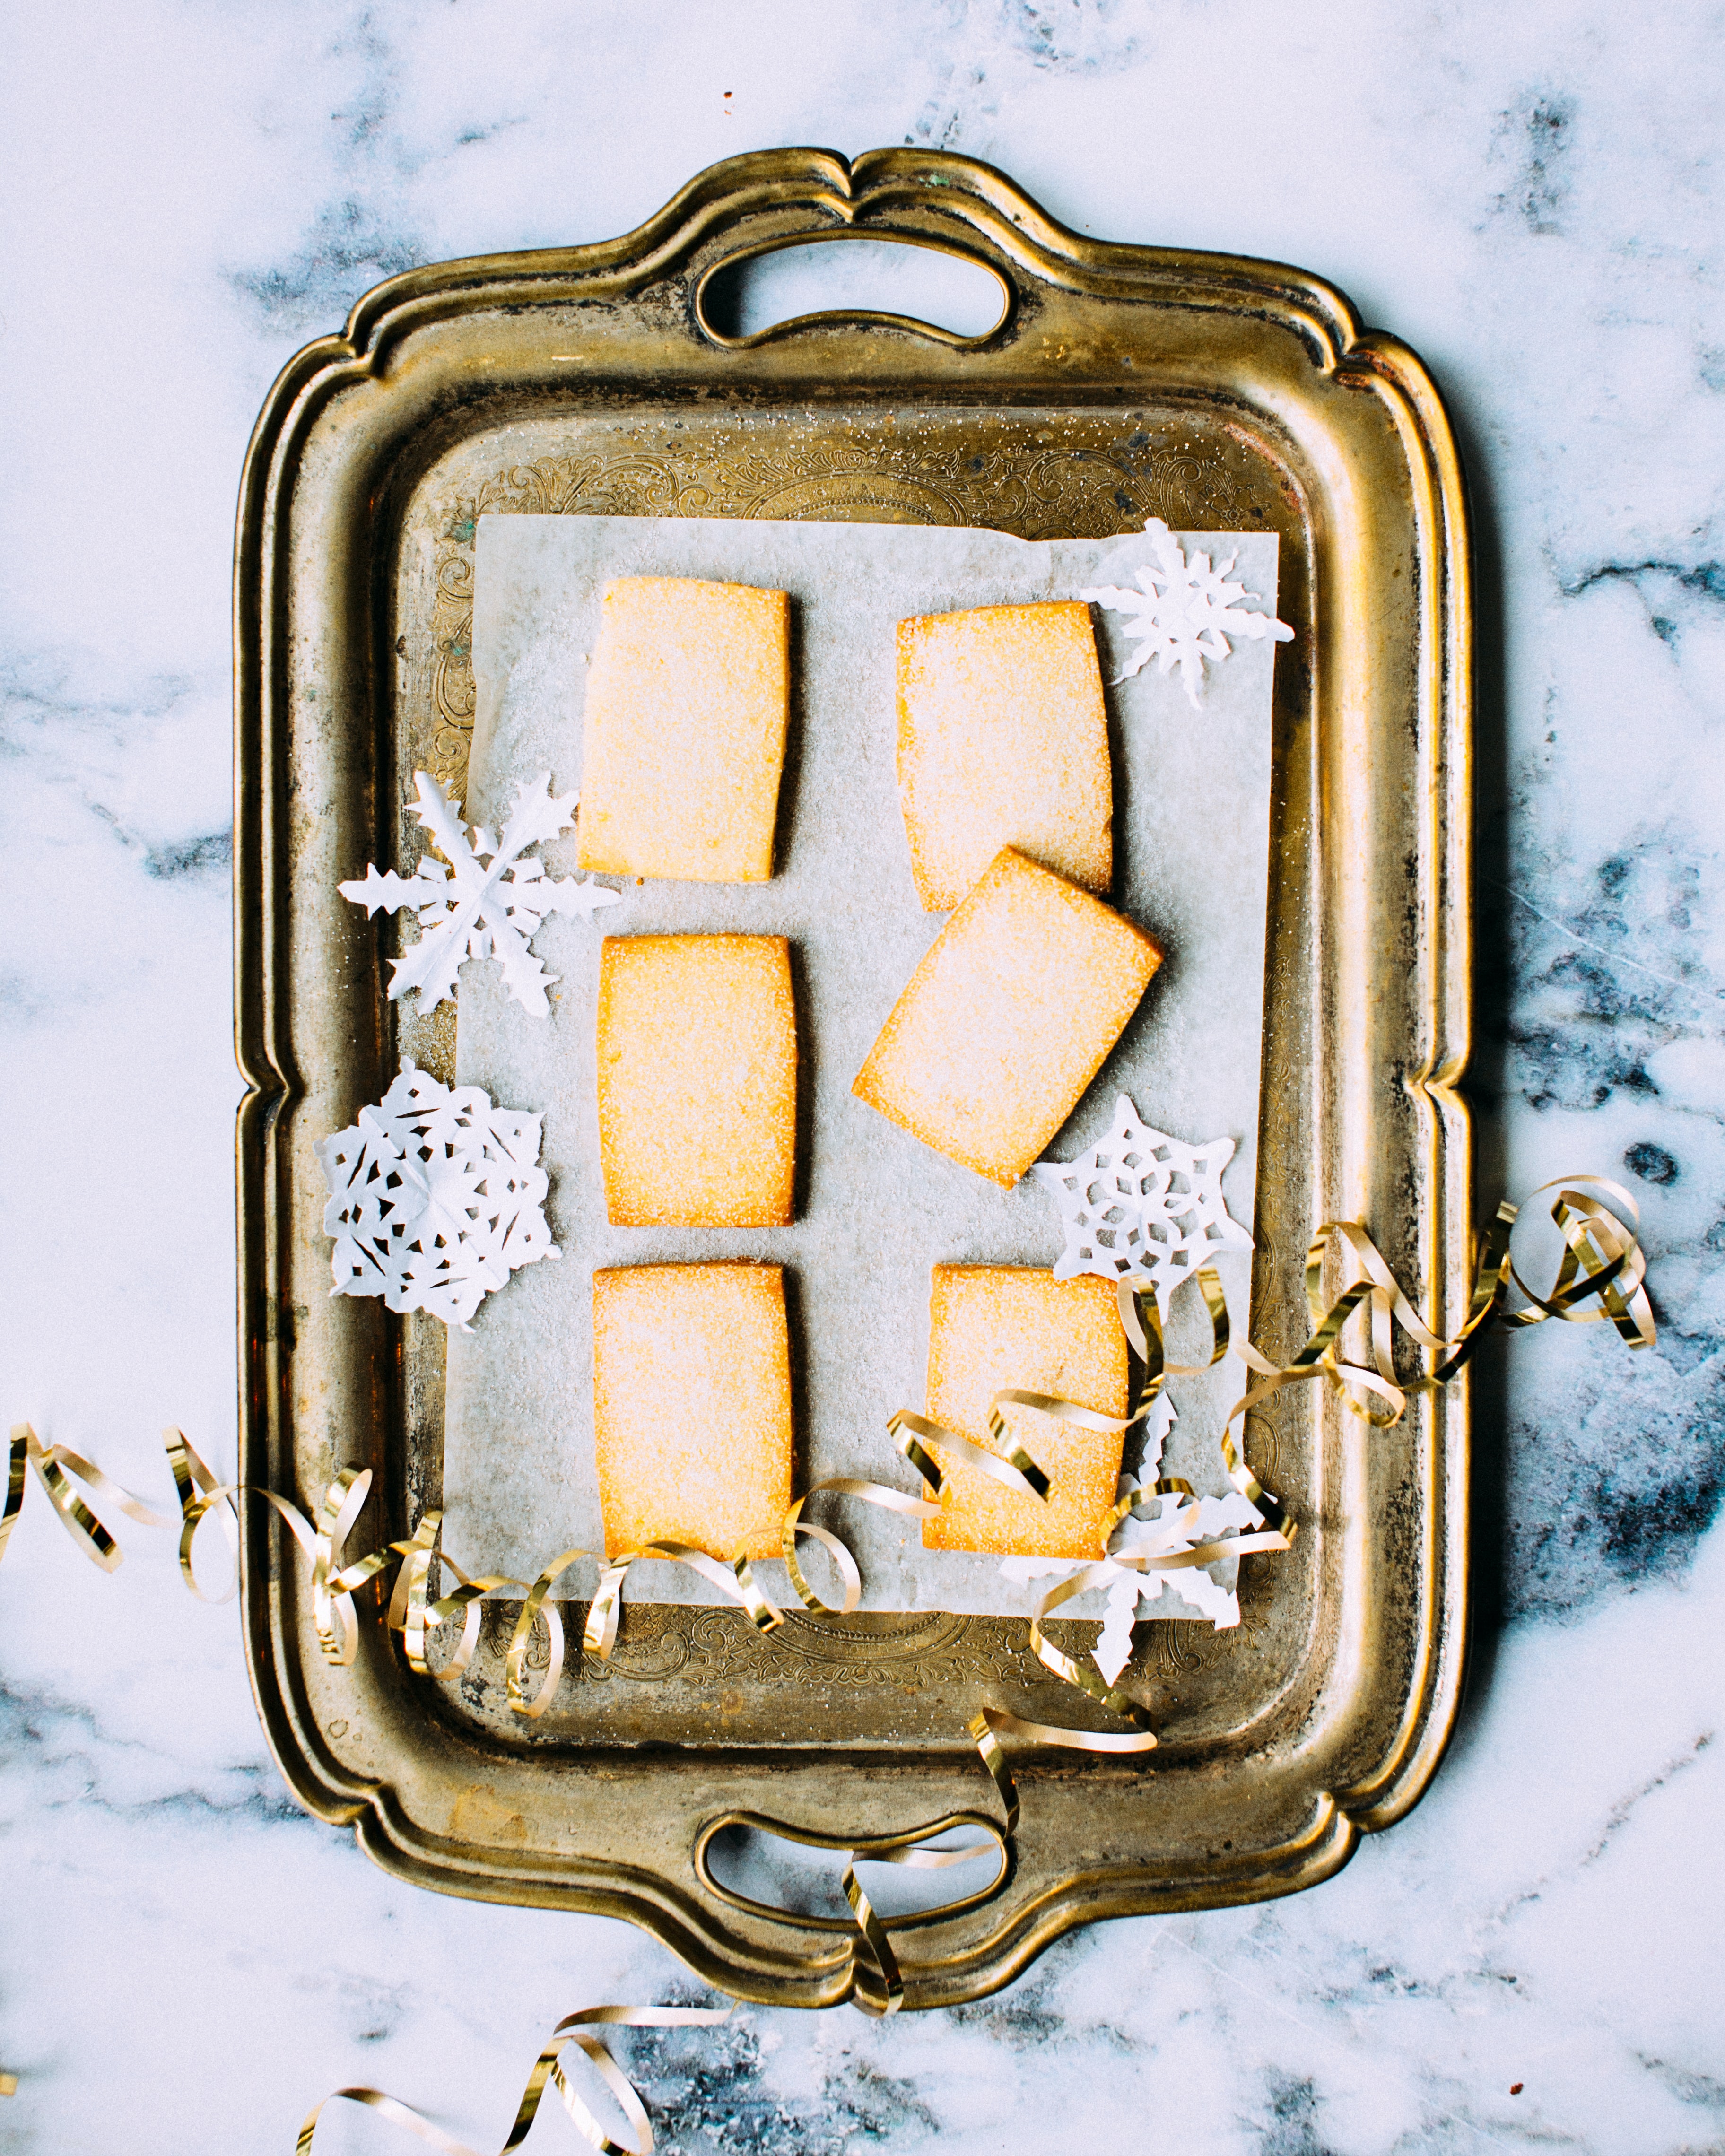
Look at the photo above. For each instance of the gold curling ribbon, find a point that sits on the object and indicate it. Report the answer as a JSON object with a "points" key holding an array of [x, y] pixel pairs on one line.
{"points": [[1017, 1470], [913, 1433], [872, 1493], [47, 1462], [412, 1611], [736, 1580], [515, 1660], [987, 1727], [547, 2071], [8, 2084], [334, 1617], [1602, 1261], [872, 1927], [1142, 1321]]}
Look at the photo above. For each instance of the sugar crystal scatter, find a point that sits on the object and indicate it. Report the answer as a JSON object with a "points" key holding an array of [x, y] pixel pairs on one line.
{"points": [[435, 1198]]}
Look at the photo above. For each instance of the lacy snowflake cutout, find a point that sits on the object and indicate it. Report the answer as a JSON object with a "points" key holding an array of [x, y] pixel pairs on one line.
{"points": [[436, 1199], [1184, 613], [1141, 1206], [483, 900], [1194, 1590]]}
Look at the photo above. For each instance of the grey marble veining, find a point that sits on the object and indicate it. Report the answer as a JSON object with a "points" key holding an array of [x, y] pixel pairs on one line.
{"points": [[1534, 198]]}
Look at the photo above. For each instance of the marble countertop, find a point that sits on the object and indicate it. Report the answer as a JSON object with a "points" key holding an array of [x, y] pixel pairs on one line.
{"points": [[1532, 199]]}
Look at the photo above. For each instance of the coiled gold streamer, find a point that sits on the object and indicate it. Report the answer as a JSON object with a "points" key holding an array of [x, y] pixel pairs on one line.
{"points": [[515, 1660], [735, 1579], [1602, 1261], [46, 1461], [913, 1433], [1602, 1264], [872, 1493], [334, 1617], [915, 1855], [547, 2071]]}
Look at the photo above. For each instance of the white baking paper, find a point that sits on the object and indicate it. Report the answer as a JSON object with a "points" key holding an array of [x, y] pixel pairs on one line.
{"points": [[876, 1209]]}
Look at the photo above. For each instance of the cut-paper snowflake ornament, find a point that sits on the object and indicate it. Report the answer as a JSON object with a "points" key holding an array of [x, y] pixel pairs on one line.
{"points": [[435, 1198], [1193, 1591], [484, 899], [1141, 1206], [1184, 611]]}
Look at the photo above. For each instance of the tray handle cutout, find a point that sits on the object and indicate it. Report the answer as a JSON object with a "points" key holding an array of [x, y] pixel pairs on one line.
{"points": [[792, 1876], [759, 293]]}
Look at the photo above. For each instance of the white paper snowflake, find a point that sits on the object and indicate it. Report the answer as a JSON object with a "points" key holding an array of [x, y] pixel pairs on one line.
{"points": [[1184, 612], [435, 1198], [475, 906], [1194, 1589], [1141, 1206]]}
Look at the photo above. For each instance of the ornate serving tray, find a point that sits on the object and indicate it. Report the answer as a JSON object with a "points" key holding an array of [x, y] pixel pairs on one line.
{"points": [[1121, 382]]}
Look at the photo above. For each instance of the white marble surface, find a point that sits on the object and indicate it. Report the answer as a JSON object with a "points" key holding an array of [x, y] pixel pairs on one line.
{"points": [[1532, 197]]}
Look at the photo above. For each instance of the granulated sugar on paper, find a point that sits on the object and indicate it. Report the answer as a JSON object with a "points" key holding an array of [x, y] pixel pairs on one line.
{"points": [[875, 1209]]}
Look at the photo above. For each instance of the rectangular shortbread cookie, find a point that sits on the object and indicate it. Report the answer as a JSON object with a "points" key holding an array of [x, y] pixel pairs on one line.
{"points": [[1007, 1019], [696, 1054], [691, 1395], [683, 736], [995, 1327], [1003, 741]]}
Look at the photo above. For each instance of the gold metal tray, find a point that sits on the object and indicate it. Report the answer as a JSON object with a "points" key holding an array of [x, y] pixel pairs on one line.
{"points": [[1121, 382]]}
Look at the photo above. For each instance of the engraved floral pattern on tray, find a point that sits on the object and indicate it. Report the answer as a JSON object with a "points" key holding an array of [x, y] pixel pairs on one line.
{"points": [[1034, 490]]}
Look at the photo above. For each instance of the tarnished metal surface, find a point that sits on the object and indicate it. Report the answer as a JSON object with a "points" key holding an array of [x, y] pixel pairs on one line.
{"points": [[1123, 383]]}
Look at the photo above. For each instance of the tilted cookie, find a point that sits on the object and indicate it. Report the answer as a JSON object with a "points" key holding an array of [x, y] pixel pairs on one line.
{"points": [[1007, 1019]]}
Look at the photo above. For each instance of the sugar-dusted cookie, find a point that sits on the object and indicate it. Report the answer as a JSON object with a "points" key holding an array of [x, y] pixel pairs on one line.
{"points": [[1003, 741], [1008, 1017], [683, 736], [998, 1327], [696, 1052], [691, 1398]]}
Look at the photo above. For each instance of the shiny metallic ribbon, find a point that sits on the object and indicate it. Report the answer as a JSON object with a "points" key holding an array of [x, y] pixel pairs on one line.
{"points": [[334, 1617], [47, 1462], [1017, 1470], [1602, 1261], [1141, 1320], [515, 1660], [412, 1610], [848, 1485], [1014, 1468], [914, 1854], [914, 1435], [547, 2071], [735, 1579]]}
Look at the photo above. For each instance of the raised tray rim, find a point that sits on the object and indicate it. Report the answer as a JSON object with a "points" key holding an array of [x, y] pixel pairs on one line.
{"points": [[778, 198]]}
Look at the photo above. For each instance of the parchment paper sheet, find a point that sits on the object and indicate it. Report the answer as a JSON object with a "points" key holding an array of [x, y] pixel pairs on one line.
{"points": [[876, 1208]]}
